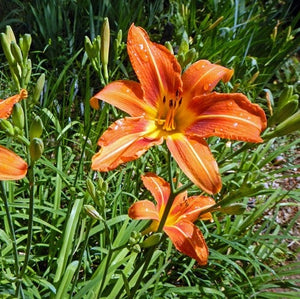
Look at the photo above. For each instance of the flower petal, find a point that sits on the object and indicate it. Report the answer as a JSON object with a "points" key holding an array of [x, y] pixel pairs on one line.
{"points": [[124, 141], [125, 95], [156, 68], [192, 206], [230, 116], [144, 209], [188, 239], [202, 77], [196, 161], [7, 105], [159, 188], [12, 167]]}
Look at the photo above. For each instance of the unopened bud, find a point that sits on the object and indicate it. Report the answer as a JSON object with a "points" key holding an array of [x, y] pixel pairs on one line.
{"points": [[154, 239], [28, 70], [7, 127], [6, 48], [25, 43], [10, 34], [91, 188], [136, 248], [105, 41], [92, 212], [36, 128], [36, 148], [16, 52], [38, 88], [168, 45], [18, 117], [88, 47]]}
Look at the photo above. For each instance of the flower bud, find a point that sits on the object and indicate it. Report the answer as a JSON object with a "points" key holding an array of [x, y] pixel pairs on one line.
{"points": [[91, 188], [16, 52], [38, 88], [88, 47], [28, 71], [18, 117], [136, 248], [92, 212], [36, 128], [154, 239], [105, 41], [25, 43], [168, 45], [36, 148], [6, 48], [10, 34], [7, 127]]}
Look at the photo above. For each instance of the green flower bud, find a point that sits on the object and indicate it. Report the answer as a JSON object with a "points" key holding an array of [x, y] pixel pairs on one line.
{"points": [[105, 41], [25, 43], [88, 47], [190, 56], [36, 128], [169, 47], [152, 240], [28, 71], [16, 52], [36, 148], [38, 88], [10, 34], [92, 212], [18, 117], [7, 127], [184, 45], [136, 248], [91, 188], [6, 48]]}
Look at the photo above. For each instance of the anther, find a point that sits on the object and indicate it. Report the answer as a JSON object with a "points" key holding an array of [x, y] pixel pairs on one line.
{"points": [[180, 101], [171, 103], [164, 99]]}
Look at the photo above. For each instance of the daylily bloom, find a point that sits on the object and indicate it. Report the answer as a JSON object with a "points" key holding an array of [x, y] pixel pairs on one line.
{"points": [[6, 106], [12, 167], [179, 226], [182, 110]]}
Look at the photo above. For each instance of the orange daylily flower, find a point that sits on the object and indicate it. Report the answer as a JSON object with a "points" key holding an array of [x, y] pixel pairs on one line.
{"points": [[179, 226], [12, 167], [182, 110], [6, 106]]}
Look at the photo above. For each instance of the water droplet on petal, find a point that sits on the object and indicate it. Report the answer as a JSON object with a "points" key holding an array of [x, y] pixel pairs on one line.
{"points": [[141, 46], [235, 125], [230, 103]]}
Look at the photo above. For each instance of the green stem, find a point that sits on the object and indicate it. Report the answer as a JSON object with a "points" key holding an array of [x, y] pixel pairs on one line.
{"points": [[81, 257], [30, 224], [12, 236]]}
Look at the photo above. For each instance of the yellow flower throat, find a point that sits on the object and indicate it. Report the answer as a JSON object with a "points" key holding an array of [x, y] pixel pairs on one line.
{"points": [[167, 112]]}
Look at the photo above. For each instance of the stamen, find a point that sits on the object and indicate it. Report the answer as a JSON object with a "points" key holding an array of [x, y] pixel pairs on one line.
{"points": [[164, 99]]}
